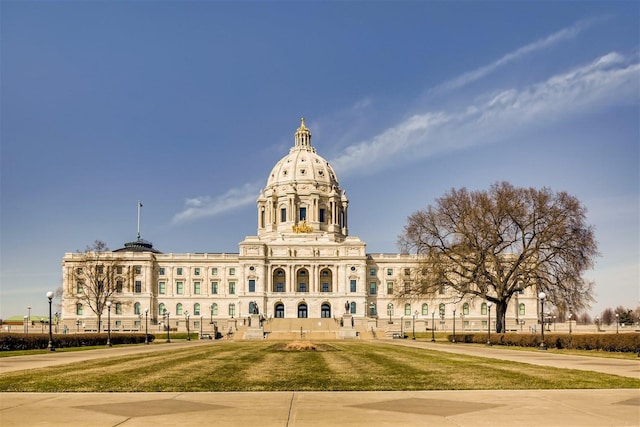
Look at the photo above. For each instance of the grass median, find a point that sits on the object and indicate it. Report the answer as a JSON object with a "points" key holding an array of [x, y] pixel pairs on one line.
{"points": [[281, 366]]}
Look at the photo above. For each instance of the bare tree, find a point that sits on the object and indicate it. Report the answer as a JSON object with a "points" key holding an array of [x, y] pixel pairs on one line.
{"points": [[493, 244], [584, 318], [98, 276], [608, 316]]}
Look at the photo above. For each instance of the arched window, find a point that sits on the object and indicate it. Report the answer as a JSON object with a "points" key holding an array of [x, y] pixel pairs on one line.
{"points": [[179, 309], [353, 307], [325, 311], [326, 281], [196, 309], [302, 280], [425, 309], [79, 309], [232, 310], [279, 310], [302, 311], [465, 308], [118, 308], [136, 308], [278, 280], [483, 308], [441, 310], [521, 309], [161, 309], [214, 309], [407, 309]]}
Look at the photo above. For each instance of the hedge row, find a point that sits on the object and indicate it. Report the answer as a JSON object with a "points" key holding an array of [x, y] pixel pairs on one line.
{"points": [[9, 341], [604, 342]]}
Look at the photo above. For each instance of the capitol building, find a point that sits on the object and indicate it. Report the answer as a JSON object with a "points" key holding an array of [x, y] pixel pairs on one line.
{"points": [[301, 271]]}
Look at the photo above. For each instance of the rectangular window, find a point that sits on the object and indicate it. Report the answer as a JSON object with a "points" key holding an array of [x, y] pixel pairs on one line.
{"points": [[232, 288], [352, 285], [79, 310], [325, 287], [79, 289], [214, 271], [119, 285], [179, 271], [138, 287], [118, 308], [372, 288], [302, 287], [79, 270], [196, 271], [161, 272], [389, 271], [303, 214], [99, 269], [138, 269], [214, 288], [232, 272], [162, 288], [321, 215], [179, 288], [252, 285], [279, 287], [283, 215], [372, 272], [389, 288], [407, 272], [196, 288], [119, 269]]}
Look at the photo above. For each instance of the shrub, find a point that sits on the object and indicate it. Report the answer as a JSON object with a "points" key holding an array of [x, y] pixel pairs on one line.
{"points": [[12, 341], [603, 342]]}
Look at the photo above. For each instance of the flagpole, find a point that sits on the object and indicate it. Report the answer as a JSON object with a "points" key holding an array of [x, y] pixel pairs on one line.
{"points": [[139, 206]]}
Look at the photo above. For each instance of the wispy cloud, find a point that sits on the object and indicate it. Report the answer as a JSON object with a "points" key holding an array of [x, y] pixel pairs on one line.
{"points": [[557, 37], [612, 79], [205, 206]]}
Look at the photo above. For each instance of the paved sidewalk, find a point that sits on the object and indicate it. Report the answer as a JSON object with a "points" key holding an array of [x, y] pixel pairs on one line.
{"points": [[567, 408]]}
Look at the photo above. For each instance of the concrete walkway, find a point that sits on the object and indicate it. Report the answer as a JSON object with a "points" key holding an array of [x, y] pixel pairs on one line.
{"points": [[566, 408]]}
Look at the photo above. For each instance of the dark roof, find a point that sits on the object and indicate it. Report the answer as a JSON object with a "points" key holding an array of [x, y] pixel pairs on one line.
{"points": [[139, 245]]}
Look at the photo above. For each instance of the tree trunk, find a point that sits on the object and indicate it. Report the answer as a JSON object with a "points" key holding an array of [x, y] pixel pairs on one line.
{"points": [[501, 311], [99, 323]]}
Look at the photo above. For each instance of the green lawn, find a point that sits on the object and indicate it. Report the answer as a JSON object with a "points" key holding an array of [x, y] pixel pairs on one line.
{"points": [[270, 366]]}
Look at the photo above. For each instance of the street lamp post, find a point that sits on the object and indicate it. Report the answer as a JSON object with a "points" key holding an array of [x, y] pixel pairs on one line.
{"points": [[617, 322], [433, 326], [454, 325], [28, 317], [570, 315], [542, 296], [188, 332], [146, 326], [597, 323], [201, 326], [554, 323], [108, 323], [211, 313], [414, 324], [389, 308], [50, 346], [166, 313], [489, 323]]}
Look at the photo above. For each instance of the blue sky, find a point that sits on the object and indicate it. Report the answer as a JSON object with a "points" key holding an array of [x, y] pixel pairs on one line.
{"points": [[187, 106]]}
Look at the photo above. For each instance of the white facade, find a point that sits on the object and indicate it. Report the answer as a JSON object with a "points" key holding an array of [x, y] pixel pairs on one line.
{"points": [[301, 264]]}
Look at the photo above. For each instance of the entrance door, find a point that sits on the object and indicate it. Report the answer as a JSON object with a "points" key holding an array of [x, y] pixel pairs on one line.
{"points": [[325, 312], [302, 311]]}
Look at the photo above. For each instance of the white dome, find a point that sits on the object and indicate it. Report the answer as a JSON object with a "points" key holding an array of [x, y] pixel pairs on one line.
{"points": [[302, 196], [302, 166]]}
